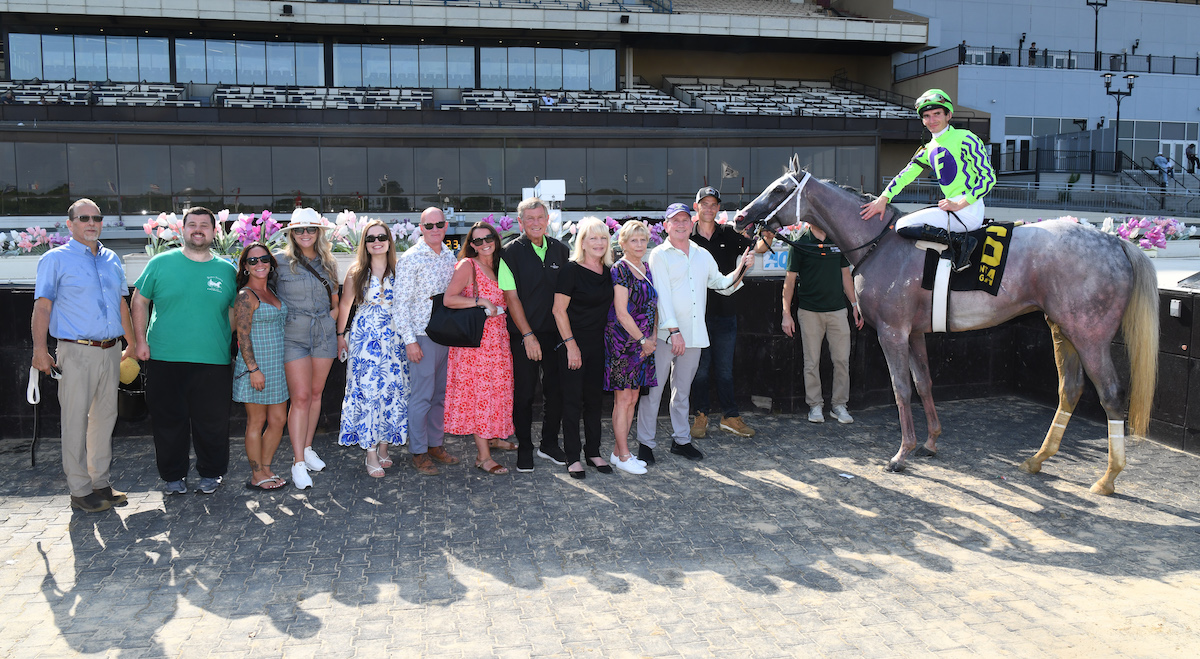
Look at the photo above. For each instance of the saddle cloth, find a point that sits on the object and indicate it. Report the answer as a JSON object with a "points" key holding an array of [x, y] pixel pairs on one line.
{"points": [[987, 261]]}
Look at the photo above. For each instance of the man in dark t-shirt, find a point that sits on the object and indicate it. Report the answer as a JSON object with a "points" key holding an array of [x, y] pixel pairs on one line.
{"points": [[820, 275]]}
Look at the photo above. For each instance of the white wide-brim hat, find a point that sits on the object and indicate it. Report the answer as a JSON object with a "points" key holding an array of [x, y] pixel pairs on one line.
{"points": [[307, 217]]}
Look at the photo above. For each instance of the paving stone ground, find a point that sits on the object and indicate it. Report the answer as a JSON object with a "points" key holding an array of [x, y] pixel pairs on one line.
{"points": [[763, 549]]}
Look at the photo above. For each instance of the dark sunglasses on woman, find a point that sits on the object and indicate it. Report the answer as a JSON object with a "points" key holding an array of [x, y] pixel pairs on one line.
{"points": [[255, 260], [306, 229], [479, 241], [379, 237]]}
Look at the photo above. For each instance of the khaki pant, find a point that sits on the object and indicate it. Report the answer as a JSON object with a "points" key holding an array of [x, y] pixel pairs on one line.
{"points": [[87, 396], [681, 370], [831, 325]]}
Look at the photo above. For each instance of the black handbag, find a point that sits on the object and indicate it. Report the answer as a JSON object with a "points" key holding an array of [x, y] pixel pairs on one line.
{"points": [[456, 328]]}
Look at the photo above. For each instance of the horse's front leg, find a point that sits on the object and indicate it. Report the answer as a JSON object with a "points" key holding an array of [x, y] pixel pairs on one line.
{"points": [[896, 350], [920, 374]]}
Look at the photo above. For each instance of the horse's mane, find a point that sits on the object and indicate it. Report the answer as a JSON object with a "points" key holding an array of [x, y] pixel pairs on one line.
{"points": [[865, 197]]}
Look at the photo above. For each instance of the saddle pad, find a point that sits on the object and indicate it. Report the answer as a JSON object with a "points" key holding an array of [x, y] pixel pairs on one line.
{"points": [[987, 261]]}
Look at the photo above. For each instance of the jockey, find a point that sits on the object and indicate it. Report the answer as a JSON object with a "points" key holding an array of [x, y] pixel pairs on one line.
{"points": [[959, 159]]}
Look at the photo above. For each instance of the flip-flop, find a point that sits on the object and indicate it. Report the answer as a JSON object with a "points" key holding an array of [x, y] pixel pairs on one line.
{"points": [[259, 484]]}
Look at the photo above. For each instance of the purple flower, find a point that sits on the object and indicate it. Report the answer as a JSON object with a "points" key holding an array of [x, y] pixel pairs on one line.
{"points": [[506, 223]]}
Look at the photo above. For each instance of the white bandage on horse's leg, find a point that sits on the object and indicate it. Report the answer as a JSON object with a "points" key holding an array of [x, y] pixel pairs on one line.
{"points": [[1061, 419], [1116, 444]]}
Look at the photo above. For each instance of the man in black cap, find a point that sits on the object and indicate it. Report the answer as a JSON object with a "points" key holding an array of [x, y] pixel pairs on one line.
{"points": [[726, 246]]}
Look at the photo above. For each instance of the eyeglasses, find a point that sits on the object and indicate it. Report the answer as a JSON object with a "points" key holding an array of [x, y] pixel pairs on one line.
{"points": [[377, 238], [306, 229], [89, 218], [435, 225], [255, 260], [480, 241]]}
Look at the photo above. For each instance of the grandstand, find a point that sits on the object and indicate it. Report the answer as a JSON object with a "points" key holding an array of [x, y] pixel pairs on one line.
{"points": [[811, 98]]}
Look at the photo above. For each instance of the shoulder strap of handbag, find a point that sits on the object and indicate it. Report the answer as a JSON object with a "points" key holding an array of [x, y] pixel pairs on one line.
{"points": [[475, 277], [328, 290]]}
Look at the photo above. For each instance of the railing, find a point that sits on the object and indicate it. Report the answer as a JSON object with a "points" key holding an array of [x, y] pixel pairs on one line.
{"points": [[1066, 196], [666, 7], [1055, 161], [1045, 59], [662, 6]]}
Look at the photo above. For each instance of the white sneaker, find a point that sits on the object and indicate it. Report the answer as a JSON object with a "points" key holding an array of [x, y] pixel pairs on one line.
{"points": [[839, 412], [815, 415], [312, 460], [300, 477], [632, 465]]}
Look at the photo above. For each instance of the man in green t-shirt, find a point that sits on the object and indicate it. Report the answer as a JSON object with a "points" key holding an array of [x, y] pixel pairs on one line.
{"points": [[185, 346], [824, 286]]}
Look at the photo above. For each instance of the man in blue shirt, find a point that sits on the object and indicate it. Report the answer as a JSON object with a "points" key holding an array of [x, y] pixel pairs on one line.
{"points": [[79, 300]]}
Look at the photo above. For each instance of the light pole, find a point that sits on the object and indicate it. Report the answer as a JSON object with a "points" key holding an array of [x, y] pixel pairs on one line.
{"points": [[1119, 95], [1096, 5]]}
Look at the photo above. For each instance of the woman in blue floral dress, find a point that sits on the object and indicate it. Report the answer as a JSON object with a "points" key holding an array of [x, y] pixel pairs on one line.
{"points": [[375, 409]]}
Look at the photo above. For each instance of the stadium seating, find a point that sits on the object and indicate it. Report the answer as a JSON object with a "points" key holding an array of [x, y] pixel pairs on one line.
{"points": [[37, 92], [748, 7], [780, 98], [321, 98]]}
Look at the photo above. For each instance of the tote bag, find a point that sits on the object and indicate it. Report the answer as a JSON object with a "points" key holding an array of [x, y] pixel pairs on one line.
{"points": [[456, 328]]}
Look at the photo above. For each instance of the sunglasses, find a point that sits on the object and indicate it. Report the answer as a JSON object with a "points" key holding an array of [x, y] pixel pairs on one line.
{"points": [[377, 238], [306, 229], [89, 218], [435, 225], [255, 260], [480, 241]]}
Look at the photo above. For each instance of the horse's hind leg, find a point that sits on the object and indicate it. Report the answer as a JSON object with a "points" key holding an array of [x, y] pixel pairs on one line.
{"points": [[1070, 387], [924, 383], [1097, 361]]}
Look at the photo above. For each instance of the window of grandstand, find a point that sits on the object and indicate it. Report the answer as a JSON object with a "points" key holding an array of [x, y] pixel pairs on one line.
{"points": [[79, 57], [217, 61]]}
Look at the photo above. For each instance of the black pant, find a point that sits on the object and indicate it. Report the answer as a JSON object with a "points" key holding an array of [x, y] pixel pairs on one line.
{"points": [[582, 391], [525, 377], [189, 408]]}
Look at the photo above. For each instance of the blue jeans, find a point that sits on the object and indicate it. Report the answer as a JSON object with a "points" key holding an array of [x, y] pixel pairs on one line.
{"points": [[718, 358]]}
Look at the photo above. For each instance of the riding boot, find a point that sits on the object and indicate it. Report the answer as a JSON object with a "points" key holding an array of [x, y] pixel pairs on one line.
{"points": [[961, 245]]}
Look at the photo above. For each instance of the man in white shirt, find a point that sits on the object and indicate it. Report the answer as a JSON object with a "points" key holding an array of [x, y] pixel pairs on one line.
{"points": [[683, 272]]}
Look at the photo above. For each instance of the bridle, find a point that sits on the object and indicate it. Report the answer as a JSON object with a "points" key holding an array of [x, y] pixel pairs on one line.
{"points": [[791, 176]]}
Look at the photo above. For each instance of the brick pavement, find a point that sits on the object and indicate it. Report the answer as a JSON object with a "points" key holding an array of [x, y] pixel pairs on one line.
{"points": [[761, 550]]}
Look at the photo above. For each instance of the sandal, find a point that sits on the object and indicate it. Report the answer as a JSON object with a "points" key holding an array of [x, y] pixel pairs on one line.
{"points": [[385, 461], [502, 445], [272, 483], [496, 469], [375, 472]]}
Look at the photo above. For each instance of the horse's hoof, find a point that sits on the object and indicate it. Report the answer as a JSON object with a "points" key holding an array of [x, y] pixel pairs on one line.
{"points": [[922, 452], [895, 467], [1030, 467], [1102, 488]]}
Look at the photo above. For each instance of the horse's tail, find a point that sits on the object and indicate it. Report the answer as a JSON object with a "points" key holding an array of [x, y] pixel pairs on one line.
{"points": [[1139, 326]]}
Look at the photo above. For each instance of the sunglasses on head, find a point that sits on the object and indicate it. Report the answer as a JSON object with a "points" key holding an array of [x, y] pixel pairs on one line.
{"points": [[306, 229], [89, 218], [435, 225], [480, 241], [255, 260], [376, 238]]}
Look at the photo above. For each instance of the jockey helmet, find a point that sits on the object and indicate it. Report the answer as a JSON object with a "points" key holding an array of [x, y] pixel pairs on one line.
{"points": [[935, 98]]}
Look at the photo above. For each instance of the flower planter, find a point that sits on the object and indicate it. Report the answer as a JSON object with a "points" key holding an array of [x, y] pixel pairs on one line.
{"points": [[1152, 252], [1180, 249], [21, 270], [134, 265]]}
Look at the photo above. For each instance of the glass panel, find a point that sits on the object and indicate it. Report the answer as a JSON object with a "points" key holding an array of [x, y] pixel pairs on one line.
{"points": [[251, 63], [92, 169], [1144, 152], [523, 168], [436, 166], [25, 56], [685, 169], [344, 170], [1173, 130], [482, 176], [1145, 130], [190, 64], [122, 59], [606, 171], [520, 68], [246, 178], [295, 172], [154, 59], [728, 167], [390, 177], [575, 69], [196, 171], [651, 205], [8, 179], [222, 63], [549, 72], [91, 62], [856, 166], [1045, 126], [569, 165], [493, 68], [58, 56], [433, 66], [347, 65], [405, 72], [769, 163], [604, 70], [42, 178], [1018, 126], [376, 65], [647, 171], [819, 160], [460, 66], [310, 64], [145, 172], [1191, 131], [281, 64]]}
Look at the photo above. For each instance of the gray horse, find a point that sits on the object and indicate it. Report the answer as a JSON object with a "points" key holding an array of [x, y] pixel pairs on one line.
{"points": [[1089, 284]]}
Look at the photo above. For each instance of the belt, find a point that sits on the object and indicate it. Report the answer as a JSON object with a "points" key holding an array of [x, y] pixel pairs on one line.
{"points": [[107, 343]]}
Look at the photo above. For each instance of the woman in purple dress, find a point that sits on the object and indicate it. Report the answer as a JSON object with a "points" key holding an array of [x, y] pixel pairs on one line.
{"points": [[629, 339]]}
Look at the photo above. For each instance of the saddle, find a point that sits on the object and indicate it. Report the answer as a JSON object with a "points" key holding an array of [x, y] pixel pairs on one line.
{"points": [[984, 269]]}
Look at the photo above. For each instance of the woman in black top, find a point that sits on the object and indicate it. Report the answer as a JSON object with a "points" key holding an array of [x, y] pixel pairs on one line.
{"points": [[581, 303]]}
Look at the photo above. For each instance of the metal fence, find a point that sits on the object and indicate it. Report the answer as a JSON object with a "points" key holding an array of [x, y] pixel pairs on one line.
{"points": [[1045, 59], [1068, 197]]}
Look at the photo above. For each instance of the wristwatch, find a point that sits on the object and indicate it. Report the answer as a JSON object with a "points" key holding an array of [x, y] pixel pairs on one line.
{"points": [[642, 341]]}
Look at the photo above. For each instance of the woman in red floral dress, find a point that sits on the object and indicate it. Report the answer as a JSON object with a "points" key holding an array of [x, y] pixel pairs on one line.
{"points": [[479, 381]]}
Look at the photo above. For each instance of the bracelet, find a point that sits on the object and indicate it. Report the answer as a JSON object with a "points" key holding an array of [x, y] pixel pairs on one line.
{"points": [[672, 333], [476, 300], [569, 338], [342, 333], [526, 335], [253, 370]]}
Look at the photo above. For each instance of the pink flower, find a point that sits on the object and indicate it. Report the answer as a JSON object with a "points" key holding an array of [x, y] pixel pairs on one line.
{"points": [[506, 223]]}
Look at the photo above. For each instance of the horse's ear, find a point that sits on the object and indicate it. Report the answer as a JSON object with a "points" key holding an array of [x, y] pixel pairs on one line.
{"points": [[794, 163]]}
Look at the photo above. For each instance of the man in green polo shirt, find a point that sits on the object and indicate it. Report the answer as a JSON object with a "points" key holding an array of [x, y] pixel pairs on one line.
{"points": [[820, 275], [185, 345]]}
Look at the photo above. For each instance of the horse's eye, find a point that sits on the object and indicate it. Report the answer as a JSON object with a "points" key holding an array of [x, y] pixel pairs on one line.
{"points": [[780, 188]]}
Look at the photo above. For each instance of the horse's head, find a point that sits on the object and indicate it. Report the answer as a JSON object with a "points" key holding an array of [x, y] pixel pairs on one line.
{"points": [[778, 205]]}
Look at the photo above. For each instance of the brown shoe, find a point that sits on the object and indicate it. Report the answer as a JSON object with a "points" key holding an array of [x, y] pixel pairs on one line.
{"points": [[92, 503], [439, 453], [423, 464], [113, 497], [700, 426], [736, 426]]}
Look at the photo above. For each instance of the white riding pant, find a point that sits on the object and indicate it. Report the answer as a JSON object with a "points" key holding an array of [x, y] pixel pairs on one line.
{"points": [[969, 218]]}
